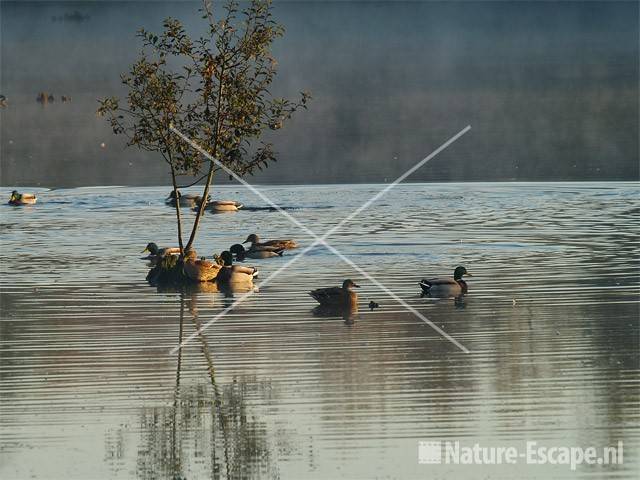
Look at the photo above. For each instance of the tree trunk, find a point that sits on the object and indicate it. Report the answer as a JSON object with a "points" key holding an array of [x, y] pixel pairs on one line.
{"points": [[212, 165], [203, 205], [175, 193]]}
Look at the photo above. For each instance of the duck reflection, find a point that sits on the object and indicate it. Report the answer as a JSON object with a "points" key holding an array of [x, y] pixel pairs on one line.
{"points": [[348, 313], [228, 289], [459, 302]]}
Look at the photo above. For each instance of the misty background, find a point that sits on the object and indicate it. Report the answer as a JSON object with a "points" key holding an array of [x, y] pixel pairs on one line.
{"points": [[549, 88]]}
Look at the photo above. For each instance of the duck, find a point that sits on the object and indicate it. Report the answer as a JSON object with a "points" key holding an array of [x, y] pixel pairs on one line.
{"points": [[235, 274], [22, 198], [186, 200], [275, 244], [200, 270], [446, 287], [156, 253], [221, 206], [240, 252], [337, 297]]}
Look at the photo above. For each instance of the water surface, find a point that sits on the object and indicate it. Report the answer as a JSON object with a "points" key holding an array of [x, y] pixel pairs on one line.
{"points": [[90, 389]]}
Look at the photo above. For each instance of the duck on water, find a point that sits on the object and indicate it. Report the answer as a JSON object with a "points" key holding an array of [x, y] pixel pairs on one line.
{"points": [[256, 253], [22, 198], [337, 297], [194, 201], [446, 287], [280, 244]]}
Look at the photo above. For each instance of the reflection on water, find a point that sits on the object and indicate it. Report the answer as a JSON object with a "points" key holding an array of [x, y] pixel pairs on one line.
{"points": [[205, 424], [280, 389], [348, 313]]}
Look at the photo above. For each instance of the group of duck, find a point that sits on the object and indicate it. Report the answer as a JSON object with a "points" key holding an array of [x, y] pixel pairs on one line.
{"points": [[194, 202], [225, 273], [222, 269], [190, 201], [345, 298]]}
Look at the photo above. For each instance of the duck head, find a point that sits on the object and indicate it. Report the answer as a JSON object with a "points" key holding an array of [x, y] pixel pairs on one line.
{"points": [[253, 238], [460, 272], [227, 258], [348, 284], [15, 195], [152, 248], [173, 194], [238, 250]]}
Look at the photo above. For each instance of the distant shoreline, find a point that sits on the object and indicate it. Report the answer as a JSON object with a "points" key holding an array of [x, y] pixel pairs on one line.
{"points": [[299, 185]]}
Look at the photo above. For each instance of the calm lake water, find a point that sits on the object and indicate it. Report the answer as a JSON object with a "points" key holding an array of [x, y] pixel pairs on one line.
{"points": [[90, 389]]}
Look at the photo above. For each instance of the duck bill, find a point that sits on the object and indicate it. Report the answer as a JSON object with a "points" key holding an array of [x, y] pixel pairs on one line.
{"points": [[467, 275], [145, 250], [246, 241], [356, 285]]}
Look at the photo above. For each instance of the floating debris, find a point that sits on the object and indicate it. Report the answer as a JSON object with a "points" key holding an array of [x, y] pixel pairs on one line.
{"points": [[373, 305]]}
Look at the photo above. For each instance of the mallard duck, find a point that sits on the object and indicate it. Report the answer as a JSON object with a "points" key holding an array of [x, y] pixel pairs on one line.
{"points": [[337, 297], [220, 206], [22, 198], [231, 273], [446, 287], [186, 200], [156, 253], [240, 252], [200, 270], [276, 244]]}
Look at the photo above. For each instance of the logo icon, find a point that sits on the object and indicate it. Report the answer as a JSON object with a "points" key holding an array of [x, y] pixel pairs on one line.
{"points": [[430, 452]]}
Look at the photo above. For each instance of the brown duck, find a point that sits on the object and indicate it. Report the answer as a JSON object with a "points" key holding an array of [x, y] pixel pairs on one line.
{"points": [[282, 244], [337, 297], [200, 270]]}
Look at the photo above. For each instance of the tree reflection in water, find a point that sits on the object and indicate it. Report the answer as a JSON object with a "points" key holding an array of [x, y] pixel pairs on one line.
{"points": [[208, 428]]}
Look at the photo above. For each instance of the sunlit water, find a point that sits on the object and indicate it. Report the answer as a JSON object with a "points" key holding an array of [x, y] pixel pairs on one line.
{"points": [[90, 389]]}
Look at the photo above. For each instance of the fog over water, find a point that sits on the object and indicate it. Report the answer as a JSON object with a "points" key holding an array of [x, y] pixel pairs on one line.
{"points": [[549, 88]]}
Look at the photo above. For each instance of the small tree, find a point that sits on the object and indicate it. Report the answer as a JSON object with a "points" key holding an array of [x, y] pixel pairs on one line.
{"points": [[214, 89]]}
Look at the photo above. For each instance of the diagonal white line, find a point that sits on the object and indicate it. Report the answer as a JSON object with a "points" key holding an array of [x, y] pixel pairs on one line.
{"points": [[321, 240], [347, 218], [398, 180]]}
